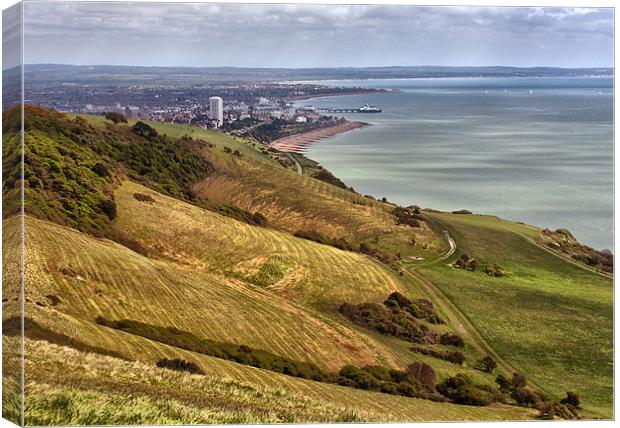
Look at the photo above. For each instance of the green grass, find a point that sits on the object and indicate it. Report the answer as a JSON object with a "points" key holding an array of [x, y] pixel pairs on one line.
{"points": [[67, 387], [548, 317], [271, 272]]}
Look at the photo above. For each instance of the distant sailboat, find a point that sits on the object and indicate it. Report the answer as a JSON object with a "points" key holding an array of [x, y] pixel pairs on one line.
{"points": [[486, 92], [505, 91], [600, 93], [531, 92]]}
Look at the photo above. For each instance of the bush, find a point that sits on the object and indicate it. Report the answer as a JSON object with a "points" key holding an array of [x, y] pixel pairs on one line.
{"points": [[395, 322], [143, 198], [495, 270], [461, 390], [565, 411], [525, 397], [108, 206], [144, 130], [451, 339], [503, 382], [179, 365], [518, 381], [486, 364], [423, 373], [546, 410], [571, 398], [455, 357], [116, 117]]}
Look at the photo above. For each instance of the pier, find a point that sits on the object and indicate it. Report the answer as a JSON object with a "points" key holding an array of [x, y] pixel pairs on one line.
{"points": [[338, 110]]}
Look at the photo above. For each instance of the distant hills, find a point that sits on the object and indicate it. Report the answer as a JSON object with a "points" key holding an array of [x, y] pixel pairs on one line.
{"points": [[101, 74]]}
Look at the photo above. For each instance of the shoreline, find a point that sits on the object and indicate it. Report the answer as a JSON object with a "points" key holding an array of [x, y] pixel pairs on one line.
{"points": [[297, 142], [338, 94]]}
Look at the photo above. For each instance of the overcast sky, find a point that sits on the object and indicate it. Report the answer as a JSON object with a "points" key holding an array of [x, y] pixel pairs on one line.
{"points": [[315, 36]]}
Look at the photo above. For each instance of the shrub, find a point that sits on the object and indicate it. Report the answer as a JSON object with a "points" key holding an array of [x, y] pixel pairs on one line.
{"points": [[455, 357], [179, 365], [423, 373], [571, 398], [451, 339], [395, 322], [144, 130], [462, 212], [495, 270], [486, 364], [460, 389], [518, 381], [565, 411], [116, 117], [503, 382], [108, 206], [101, 169], [143, 198], [525, 397], [407, 217], [546, 409]]}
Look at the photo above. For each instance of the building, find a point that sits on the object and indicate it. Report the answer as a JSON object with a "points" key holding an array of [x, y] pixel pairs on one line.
{"points": [[216, 110]]}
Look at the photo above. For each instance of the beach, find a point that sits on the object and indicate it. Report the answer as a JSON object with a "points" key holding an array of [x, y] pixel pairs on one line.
{"points": [[298, 142]]}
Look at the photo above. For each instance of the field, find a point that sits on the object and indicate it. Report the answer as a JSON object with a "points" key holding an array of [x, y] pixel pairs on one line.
{"points": [[162, 254], [545, 317]]}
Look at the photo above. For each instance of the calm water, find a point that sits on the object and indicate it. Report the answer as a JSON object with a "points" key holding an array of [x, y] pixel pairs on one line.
{"points": [[489, 145]]}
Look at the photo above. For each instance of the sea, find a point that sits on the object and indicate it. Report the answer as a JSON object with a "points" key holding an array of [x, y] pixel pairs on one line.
{"points": [[535, 150]]}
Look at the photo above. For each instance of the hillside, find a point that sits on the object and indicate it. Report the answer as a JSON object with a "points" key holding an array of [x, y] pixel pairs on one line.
{"points": [[146, 243]]}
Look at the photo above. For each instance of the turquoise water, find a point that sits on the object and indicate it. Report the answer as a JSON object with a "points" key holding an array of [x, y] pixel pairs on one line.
{"points": [[537, 150]]}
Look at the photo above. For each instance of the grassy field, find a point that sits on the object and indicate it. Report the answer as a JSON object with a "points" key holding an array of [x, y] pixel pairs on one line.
{"points": [[66, 387], [548, 317]]}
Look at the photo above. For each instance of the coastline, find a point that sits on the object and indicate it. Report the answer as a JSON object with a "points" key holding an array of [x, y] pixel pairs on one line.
{"points": [[298, 142], [338, 94]]}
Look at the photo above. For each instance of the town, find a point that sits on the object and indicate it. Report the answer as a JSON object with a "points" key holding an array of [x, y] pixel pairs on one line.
{"points": [[236, 107]]}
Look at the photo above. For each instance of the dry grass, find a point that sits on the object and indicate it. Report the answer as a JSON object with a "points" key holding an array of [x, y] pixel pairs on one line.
{"points": [[70, 387]]}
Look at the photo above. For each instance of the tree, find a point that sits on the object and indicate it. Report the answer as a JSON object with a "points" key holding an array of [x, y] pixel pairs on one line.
{"points": [[486, 364], [116, 117]]}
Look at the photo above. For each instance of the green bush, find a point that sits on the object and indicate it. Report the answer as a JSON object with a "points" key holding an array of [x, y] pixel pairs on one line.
{"points": [[486, 364], [461, 390]]}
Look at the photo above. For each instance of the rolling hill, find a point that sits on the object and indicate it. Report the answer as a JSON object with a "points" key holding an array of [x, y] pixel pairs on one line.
{"points": [[146, 243]]}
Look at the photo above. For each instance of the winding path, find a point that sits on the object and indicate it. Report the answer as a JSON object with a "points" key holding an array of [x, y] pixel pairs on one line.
{"points": [[458, 319], [297, 164]]}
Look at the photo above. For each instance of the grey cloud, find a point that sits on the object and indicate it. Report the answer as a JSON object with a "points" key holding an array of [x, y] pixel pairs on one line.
{"points": [[315, 35]]}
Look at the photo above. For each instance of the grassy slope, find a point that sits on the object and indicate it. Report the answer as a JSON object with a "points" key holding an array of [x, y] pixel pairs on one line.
{"points": [[293, 202], [198, 269], [548, 317], [92, 389]]}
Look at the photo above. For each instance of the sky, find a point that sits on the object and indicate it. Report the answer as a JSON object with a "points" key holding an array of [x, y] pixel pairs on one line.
{"points": [[314, 35]]}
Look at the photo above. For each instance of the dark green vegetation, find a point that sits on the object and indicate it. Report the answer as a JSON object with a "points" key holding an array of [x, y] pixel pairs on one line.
{"points": [[72, 167], [239, 353], [417, 381], [398, 317]]}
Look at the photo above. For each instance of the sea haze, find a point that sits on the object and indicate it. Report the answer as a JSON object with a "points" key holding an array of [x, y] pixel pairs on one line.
{"points": [[537, 150]]}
